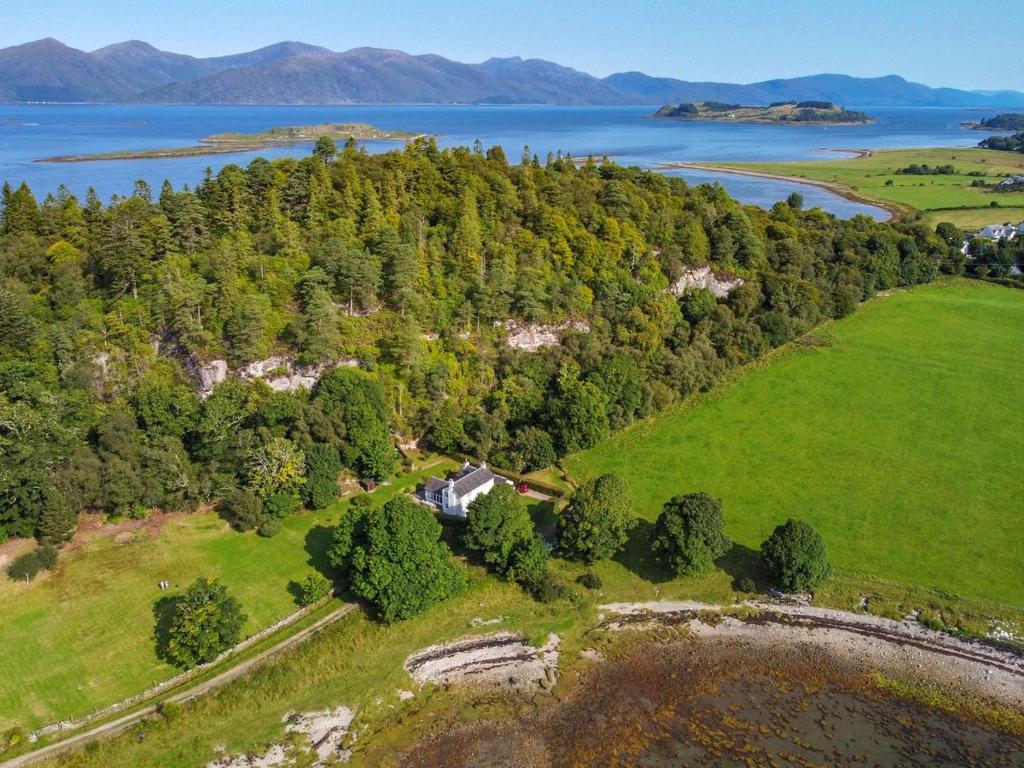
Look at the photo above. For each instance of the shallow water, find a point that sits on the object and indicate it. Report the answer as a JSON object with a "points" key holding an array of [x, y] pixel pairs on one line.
{"points": [[32, 132], [698, 705]]}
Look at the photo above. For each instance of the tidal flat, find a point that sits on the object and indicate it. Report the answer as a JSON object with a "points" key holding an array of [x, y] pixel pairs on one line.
{"points": [[724, 704]]}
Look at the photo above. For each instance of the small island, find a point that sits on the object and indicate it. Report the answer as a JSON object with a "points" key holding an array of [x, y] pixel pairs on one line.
{"points": [[224, 143], [1008, 121], [779, 112]]}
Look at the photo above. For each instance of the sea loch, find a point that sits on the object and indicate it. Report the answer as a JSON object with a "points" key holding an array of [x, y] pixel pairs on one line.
{"points": [[29, 133]]}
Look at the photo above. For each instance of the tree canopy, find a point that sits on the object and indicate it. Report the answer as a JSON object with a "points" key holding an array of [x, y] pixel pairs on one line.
{"points": [[595, 524], [797, 556], [393, 558], [206, 621], [690, 534], [390, 279], [496, 524]]}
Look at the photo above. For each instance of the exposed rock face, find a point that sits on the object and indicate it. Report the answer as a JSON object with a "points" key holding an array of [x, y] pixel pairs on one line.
{"points": [[533, 336], [209, 375], [279, 372], [291, 377], [260, 369], [704, 277]]}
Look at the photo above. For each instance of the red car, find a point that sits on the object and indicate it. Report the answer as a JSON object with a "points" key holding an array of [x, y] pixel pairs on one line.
{"points": [[522, 488]]}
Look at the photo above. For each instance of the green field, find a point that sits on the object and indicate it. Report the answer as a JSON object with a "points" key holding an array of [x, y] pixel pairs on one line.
{"points": [[82, 638], [902, 442], [867, 177]]}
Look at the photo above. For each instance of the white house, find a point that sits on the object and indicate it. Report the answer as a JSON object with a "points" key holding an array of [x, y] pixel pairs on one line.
{"points": [[453, 495], [998, 232]]}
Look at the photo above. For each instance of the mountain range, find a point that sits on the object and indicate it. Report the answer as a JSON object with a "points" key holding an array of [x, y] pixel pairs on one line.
{"points": [[297, 73]]}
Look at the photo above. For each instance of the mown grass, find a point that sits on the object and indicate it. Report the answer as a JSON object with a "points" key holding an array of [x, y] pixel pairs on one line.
{"points": [[901, 441], [874, 178], [973, 219], [82, 638]]}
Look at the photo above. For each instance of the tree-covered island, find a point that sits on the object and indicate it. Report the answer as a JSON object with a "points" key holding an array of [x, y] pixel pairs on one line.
{"points": [[785, 112]]}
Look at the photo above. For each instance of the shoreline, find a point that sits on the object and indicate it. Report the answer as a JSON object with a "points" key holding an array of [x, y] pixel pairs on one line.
{"points": [[207, 148], [894, 212], [785, 123], [986, 670]]}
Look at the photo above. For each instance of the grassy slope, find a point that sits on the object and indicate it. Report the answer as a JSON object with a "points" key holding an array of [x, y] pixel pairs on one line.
{"points": [[81, 638], [974, 218], [868, 175], [902, 443]]}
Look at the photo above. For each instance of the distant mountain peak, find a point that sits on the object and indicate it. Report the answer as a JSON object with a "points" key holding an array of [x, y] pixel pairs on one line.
{"points": [[292, 72], [134, 45]]}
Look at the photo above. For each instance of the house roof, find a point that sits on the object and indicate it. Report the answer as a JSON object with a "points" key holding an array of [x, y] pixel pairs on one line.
{"points": [[469, 481], [434, 484]]}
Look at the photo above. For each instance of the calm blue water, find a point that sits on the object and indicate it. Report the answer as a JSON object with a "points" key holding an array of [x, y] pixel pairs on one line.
{"points": [[31, 132]]}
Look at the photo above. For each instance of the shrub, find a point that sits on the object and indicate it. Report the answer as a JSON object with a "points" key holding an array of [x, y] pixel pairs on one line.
{"points": [[690, 534], [797, 556], [25, 567], [550, 591], [362, 501], [590, 580], [244, 510], [281, 505], [206, 622], [11, 738], [270, 527], [47, 555], [747, 585], [529, 566], [314, 588]]}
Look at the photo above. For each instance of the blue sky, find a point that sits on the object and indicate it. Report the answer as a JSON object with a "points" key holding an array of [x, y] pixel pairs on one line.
{"points": [[965, 44]]}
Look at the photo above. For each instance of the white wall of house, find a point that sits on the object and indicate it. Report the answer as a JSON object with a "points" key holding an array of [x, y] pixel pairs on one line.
{"points": [[454, 504]]}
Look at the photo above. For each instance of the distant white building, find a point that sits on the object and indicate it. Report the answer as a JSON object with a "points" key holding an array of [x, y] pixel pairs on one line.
{"points": [[996, 232], [453, 495]]}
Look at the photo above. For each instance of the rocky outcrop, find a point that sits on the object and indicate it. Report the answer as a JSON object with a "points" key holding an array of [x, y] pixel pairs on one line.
{"points": [[533, 336], [206, 375], [282, 374], [704, 277], [503, 658]]}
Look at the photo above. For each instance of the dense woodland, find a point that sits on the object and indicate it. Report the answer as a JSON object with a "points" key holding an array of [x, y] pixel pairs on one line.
{"points": [[403, 261], [1014, 143]]}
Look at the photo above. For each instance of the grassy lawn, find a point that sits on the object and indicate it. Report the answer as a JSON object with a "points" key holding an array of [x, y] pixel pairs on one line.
{"points": [[868, 177], [82, 638], [902, 442]]}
